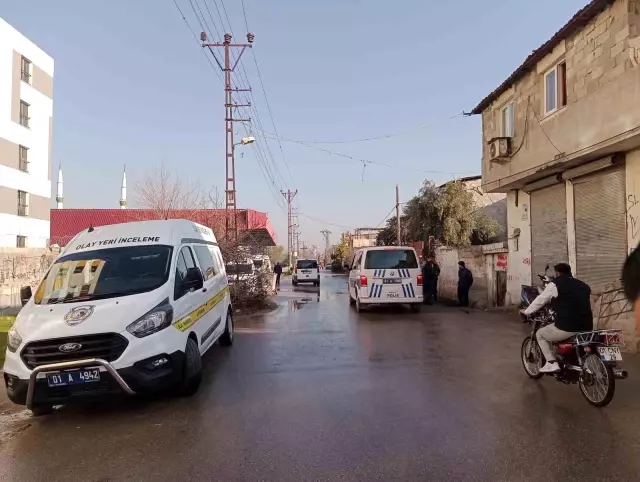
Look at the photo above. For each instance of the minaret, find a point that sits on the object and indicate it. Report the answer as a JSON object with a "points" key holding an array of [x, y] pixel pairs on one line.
{"points": [[59, 192], [123, 190]]}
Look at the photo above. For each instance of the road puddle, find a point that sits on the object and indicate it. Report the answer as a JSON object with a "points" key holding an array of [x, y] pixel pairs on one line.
{"points": [[13, 422]]}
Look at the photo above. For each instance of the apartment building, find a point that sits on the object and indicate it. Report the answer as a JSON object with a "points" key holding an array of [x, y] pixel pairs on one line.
{"points": [[561, 137], [26, 122]]}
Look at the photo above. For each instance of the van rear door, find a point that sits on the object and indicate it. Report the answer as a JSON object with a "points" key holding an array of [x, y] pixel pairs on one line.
{"points": [[392, 274]]}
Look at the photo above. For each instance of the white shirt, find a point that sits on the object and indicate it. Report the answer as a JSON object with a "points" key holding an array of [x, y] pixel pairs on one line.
{"points": [[550, 292]]}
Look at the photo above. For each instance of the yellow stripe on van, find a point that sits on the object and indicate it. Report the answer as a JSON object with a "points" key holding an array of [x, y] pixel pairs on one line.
{"points": [[186, 322]]}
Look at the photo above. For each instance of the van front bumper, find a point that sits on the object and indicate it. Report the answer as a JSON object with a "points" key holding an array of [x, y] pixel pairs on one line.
{"points": [[145, 376]]}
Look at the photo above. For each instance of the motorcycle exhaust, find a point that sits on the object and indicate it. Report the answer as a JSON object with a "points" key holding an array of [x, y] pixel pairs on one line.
{"points": [[620, 374]]}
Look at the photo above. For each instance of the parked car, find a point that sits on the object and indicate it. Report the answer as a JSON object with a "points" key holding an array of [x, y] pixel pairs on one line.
{"points": [[127, 308], [384, 275]]}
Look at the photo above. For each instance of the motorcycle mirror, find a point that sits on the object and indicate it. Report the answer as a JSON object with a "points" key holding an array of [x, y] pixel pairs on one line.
{"points": [[546, 268]]}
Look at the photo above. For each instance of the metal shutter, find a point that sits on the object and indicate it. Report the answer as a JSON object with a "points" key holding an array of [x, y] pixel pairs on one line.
{"points": [[548, 228], [601, 227]]}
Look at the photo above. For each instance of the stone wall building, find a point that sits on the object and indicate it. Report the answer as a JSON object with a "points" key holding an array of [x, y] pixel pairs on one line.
{"points": [[561, 137]]}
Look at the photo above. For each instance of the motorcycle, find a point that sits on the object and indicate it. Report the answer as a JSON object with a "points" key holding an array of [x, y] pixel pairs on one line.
{"points": [[589, 359]]}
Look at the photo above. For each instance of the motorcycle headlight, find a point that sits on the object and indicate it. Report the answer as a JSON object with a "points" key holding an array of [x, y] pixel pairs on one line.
{"points": [[14, 340], [155, 320]]}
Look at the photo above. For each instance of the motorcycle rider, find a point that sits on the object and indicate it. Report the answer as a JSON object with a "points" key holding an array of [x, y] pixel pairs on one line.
{"points": [[570, 300]]}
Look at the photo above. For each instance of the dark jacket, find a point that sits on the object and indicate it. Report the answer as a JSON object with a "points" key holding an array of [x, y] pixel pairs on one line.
{"points": [[430, 271], [277, 269], [572, 305], [465, 278]]}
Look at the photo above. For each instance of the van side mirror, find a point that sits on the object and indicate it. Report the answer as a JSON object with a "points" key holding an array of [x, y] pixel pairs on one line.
{"points": [[25, 294], [193, 280]]}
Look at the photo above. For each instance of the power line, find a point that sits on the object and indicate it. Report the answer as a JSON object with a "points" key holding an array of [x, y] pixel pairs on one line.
{"points": [[386, 136], [366, 161], [195, 37], [387, 216]]}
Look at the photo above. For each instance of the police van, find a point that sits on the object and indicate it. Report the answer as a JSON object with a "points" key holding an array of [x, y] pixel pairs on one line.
{"points": [[385, 275], [127, 308]]}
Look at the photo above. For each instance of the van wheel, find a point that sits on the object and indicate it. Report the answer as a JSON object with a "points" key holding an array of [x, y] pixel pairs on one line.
{"points": [[227, 337], [192, 371], [351, 299], [359, 307], [42, 409], [415, 307]]}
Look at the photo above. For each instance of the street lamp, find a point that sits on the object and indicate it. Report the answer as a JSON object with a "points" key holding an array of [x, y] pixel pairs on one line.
{"points": [[246, 140]]}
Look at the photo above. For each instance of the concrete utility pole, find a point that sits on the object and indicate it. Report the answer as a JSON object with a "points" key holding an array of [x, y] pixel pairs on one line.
{"points": [[326, 233], [231, 225], [398, 212], [289, 195]]}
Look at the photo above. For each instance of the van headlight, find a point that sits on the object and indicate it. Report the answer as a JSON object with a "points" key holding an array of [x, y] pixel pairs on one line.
{"points": [[14, 340], [155, 320]]}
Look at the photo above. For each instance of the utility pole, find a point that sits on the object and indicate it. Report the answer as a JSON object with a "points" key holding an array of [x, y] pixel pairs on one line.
{"points": [[231, 224], [289, 195], [326, 233], [398, 212]]}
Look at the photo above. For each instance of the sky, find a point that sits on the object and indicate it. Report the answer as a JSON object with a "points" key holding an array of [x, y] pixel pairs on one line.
{"points": [[133, 87]]}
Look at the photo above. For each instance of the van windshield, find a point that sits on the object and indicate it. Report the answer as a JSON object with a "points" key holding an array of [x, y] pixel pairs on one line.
{"points": [[391, 259], [258, 263], [240, 268], [105, 273], [307, 264]]}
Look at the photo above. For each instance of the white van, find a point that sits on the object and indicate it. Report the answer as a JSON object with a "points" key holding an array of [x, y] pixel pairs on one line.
{"points": [[126, 308], [306, 271], [387, 274]]}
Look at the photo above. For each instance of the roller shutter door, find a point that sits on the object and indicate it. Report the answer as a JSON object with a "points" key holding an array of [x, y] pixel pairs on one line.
{"points": [[601, 227], [548, 228]]}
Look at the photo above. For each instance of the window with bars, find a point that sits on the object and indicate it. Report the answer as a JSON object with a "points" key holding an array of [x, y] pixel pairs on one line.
{"points": [[23, 161], [26, 70], [21, 241], [24, 113], [23, 206]]}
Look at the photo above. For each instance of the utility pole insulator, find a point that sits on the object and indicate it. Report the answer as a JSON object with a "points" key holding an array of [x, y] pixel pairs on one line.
{"points": [[203, 36]]}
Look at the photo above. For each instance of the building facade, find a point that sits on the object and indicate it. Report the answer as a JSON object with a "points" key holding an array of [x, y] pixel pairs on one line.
{"points": [[26, 124]]}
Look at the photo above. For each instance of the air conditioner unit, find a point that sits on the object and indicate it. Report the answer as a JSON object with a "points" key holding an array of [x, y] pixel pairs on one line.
{"points": [[499, 149]]}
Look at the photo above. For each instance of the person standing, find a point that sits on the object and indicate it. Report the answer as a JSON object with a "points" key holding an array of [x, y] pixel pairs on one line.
{"points": [[465, 280], [429, 276], [436, 269], [278, 271]]}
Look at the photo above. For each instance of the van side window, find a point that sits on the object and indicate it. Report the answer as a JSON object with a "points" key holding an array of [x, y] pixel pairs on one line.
{"points": [[184, 262], [205, 260]]}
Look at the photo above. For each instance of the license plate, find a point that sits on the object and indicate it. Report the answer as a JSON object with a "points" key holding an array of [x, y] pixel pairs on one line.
{"points": [[393, 295], [391, 281], [610, 353], [306, 271], [73, 378]]}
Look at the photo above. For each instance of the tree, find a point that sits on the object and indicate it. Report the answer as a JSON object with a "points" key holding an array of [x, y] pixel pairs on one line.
{"points": [[163, 192], [342, 249], [277, 254], [448, 213]]}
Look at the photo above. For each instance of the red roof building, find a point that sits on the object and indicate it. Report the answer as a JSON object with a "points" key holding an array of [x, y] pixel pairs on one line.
{"points": [[66, 223]]}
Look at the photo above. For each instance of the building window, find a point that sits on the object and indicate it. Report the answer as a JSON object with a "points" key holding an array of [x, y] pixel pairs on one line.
{"points": [[26, 70], [21, 241], [23, 206], [507, 117], [24, 113], [555, 88], [23, 163]]}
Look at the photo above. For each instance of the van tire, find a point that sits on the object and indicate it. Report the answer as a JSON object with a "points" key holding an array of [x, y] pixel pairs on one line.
{"points": [[227, 337], [42, 409], [415, 307], [192, 370], [351, 299]]}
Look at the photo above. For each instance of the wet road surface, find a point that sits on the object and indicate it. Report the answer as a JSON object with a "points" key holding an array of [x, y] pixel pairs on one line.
{"points": [[315, 392]]}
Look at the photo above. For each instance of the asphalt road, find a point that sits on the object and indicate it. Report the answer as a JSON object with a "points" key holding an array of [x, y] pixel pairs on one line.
{"points": [[315, 392]]}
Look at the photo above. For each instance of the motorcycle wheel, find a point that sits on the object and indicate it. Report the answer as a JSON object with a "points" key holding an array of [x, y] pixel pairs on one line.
{"points": [[597, 382], [531, 362]]}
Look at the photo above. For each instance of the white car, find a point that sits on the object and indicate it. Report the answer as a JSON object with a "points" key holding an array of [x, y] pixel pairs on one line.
{"points": [[306, 271], [127, 308], [385, 275]]}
